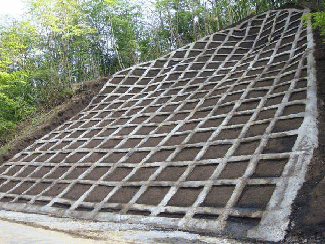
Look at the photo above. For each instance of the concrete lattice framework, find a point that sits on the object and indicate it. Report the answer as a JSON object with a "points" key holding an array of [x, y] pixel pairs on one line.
{"points": [[213, 137]]}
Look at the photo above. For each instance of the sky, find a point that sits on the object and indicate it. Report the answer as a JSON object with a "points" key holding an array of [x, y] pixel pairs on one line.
{"points": [[13, 8]]}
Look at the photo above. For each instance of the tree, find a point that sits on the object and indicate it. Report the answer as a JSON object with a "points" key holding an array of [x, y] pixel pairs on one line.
{"points": [[16, 93], [318, 19], [67, 39], [122, 18], [181, 22]]}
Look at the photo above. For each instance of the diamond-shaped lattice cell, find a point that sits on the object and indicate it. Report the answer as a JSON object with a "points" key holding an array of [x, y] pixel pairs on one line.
{"points": [[206, 138]]}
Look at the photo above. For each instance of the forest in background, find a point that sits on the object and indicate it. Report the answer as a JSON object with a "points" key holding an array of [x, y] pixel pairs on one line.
{"points": [[61, 43]]}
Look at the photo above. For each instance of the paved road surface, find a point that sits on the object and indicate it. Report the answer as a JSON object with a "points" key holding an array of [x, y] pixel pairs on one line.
{"points": [[15, 233], [22, 234], [23, 228]]}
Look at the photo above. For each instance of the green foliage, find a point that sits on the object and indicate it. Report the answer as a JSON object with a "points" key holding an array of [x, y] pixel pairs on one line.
{"points": [[16, 100], [180, 22], [70, 41], [66, 40], [318, 20], [16, 91], [15, 44], [122, 17]]}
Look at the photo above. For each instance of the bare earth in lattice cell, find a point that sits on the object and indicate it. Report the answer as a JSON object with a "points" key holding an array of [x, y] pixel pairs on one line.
{"points": [[214, 137]]}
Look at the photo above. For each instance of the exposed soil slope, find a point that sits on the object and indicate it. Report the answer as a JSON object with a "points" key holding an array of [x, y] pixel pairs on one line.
{"points": [[308, 217], [57, 117]]}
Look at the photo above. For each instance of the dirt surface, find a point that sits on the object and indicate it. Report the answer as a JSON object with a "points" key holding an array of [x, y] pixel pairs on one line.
{"points": [[308, 218], [65, 111]]}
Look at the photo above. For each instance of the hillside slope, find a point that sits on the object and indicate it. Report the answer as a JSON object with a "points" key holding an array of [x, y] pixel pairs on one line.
{"points": [[215, 137]]}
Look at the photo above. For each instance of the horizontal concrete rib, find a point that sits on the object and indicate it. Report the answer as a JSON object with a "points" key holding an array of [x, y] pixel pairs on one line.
{"points": [[213, 137]]}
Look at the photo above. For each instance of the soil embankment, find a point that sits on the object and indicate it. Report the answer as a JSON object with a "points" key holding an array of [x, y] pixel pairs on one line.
{"points": [[61, 113], [308, 218]]}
